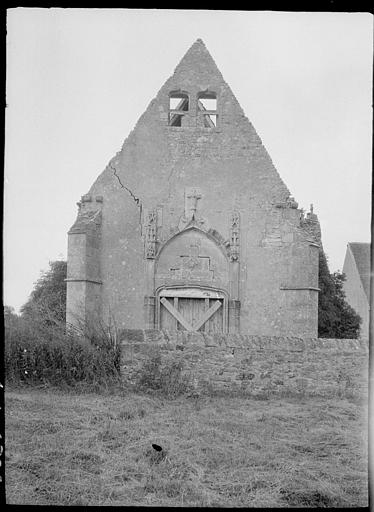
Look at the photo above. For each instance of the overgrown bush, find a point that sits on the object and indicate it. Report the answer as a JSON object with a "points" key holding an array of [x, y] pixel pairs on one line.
{"points": [[167, 378], [40, 353], [48, 297], [336, 318]]}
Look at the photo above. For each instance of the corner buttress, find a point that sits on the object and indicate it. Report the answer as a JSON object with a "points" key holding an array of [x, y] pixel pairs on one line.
{"points": [[83, 301]]}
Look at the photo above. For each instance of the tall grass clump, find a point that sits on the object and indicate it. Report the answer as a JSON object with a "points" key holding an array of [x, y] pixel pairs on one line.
{"points": [[38, 352], [166, 378]]}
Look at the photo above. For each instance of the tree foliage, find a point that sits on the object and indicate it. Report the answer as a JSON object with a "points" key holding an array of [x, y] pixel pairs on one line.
{"points": [[10, 316], [336, 318], [48, 298]]}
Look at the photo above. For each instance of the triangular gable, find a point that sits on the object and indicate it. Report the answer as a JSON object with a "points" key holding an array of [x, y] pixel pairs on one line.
{"points": [[195, 73]]}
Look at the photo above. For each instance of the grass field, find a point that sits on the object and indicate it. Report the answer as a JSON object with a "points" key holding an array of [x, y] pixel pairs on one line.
{"points": [[91, 449]]}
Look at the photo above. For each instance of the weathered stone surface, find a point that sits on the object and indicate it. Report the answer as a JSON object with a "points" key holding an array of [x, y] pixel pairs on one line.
{"points": [[195, 208], [258, 364]]}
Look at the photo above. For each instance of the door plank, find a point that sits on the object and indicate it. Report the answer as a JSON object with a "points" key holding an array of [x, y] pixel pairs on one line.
{"points": [[206, 326], [207, 315], [176, 308], [167, 321], [176, 314]]}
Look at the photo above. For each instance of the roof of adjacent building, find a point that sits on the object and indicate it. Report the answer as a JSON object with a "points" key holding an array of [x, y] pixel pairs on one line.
{"points": [[361, 255]]}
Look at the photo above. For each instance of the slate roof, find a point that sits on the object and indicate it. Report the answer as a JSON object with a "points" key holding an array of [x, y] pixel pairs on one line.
{"points": [[361, 255]]}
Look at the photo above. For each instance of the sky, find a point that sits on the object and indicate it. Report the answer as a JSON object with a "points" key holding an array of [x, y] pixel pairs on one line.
{"points": [[79, 79]]}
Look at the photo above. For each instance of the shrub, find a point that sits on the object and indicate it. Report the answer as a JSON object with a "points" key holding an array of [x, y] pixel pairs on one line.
{"points": [[336, 318], [167, 378], [48, 298], [40, 353]]}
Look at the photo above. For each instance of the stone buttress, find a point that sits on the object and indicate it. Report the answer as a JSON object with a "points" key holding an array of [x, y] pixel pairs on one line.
{"points": [[83, 272]]}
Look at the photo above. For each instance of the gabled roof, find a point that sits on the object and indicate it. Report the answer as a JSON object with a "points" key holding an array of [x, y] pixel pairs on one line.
{"points": [[167, 145], [361, 255], [197, 56]]}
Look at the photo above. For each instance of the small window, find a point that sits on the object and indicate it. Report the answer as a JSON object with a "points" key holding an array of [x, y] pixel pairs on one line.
{"points": [[178, 106], [207, 105]]}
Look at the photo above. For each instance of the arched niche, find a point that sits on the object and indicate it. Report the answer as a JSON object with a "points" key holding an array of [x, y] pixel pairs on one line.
{"points": [[192, 257], [190, 284]]}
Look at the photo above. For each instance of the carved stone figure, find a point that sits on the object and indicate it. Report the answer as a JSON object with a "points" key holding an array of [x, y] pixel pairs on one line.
{"points": [[234, 236], [191, 215], [151, 234]]}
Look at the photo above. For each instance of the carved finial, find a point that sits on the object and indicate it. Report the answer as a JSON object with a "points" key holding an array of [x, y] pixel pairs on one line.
{"points": [[192, 195], [311, 208], [191, 214], [291, 203]]}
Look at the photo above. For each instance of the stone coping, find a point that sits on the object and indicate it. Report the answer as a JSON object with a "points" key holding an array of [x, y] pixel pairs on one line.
{"points": [[171, 338]]}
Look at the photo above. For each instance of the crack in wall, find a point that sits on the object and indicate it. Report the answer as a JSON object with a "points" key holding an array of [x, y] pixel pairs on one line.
{"points": [[136, 199]]}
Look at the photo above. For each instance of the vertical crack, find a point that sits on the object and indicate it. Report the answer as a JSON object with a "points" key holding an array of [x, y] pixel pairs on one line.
{"points": [[136, 199]]}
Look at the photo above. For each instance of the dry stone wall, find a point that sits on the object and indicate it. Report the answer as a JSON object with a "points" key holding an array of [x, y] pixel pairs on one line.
{"points": [[254, 364]]}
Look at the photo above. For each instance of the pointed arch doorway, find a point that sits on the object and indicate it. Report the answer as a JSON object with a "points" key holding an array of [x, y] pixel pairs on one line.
{"points": [[192, 309], [192, 283]]}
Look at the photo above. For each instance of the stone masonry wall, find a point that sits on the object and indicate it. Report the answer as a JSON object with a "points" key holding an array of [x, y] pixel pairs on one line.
{"points": [[255, 364], [233, 170]]}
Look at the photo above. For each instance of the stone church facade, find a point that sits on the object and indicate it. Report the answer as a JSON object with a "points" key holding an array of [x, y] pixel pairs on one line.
{"points": [[190, 225]]}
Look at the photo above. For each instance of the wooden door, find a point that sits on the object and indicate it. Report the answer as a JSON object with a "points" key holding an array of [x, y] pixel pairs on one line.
{"points": [[167, 319], [191, 313], [215, 322], [192, 310]]}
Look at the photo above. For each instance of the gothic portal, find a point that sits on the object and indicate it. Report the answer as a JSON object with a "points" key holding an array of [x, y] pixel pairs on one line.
{"points": [[190, 226]]}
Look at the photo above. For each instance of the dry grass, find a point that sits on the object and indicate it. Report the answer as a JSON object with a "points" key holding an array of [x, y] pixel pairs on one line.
{"points": [[70, 449]]}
